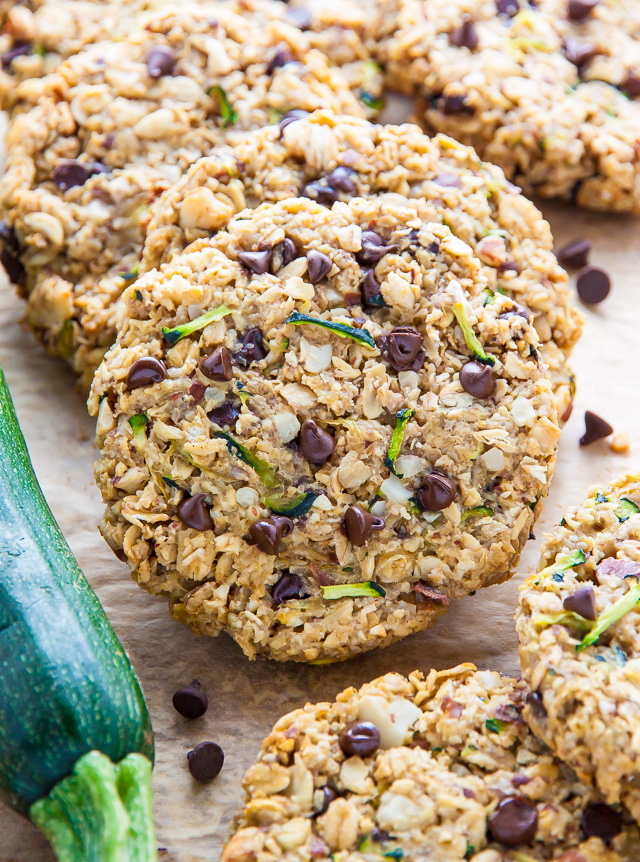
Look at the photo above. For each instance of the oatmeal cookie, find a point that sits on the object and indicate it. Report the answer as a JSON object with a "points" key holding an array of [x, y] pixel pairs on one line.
{"points": [[439, 768], [320, 426], [579, 630], [118, 123], [332, 159], [549, 91]]}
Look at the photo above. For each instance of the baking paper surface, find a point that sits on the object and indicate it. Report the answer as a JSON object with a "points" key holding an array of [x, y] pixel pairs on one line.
{"points": [[246, 698]]}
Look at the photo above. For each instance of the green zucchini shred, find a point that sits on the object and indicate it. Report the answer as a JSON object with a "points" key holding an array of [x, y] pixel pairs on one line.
{"points": [[138, 424], [361, 336], [402, 419], [228, 112], [364, 588], [373, 102], [265, 471], [383, 849], [470, 337], [615, 613], [570, 619], [625, 509], [477, 512], [131, 274], [496, 725], [65, 340], [292, 507], [563, 563], [173, 335]]}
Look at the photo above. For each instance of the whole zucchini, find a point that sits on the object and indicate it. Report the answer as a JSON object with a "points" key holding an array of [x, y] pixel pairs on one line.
{"points": [[76, 742]]}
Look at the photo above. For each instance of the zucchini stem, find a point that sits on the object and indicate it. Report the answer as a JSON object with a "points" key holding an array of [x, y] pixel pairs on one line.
{"points": [[102, 812]]}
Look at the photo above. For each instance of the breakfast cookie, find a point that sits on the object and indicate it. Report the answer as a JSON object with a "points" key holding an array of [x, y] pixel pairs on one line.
{"points": [[550, 91], [437, 768], [118, 123], [319, 426], [331, 159], [579, 630]]}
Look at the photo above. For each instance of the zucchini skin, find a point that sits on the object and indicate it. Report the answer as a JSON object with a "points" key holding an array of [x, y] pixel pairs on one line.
{"points": [[66, 684]]}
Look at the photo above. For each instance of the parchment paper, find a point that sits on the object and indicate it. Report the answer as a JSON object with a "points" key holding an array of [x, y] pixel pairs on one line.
{"points": [[247, 698]]}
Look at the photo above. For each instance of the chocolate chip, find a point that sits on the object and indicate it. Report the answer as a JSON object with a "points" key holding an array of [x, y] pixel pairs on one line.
{"points": [[578, 10], [252, 349], [371, 295], [328, 795], [283, 253], [593, 285], [435, 493], [359, 525], [194, 512], [291, 117], [145, 372], [257, 261], [401, 346], [631, 85], [289, 586], [579, 53], [320, 193], [319, 265], [453, 106], [281, 57], [226, 414], [575, 254], [197, 390], [509, 266], [10, 253], [217, 365], [428, 594], [316, 444], [465, 36], [477, 379], [19, 50], [373, 248], [600, 821], [268, 533], [161, 61], [535, 703], [514, 822], [340, 178], [508, 7], [582, 602], [191, 701], [596, 428], [70, 173], [300, 17], [205, 761], [361, 739]]}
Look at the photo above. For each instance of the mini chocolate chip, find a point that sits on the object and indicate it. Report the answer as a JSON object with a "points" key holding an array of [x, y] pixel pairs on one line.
{"points": [[359, 525], [373, 248], [477, 379], [70, 173], [578, 10], [361, 739], [402, 346], [465, 36], [291, 117], [371, 295], [194, 512], [268, 533], [191, 701], [283, 253], [161, 61], [600, 821], [514, 822], [340, 178], [289, 586], [593, 285], [217, 365], [20, 50], [509, 266], [319, 265], [328, 796], [595, 428], [257, 261], [10, 253], [453, 106], [300, 17], [631, 85], [205, 761], [252, 349], [508, 7], [226, 414], [535, 703], [578, 52], [436, 492], [582, 602], [145, 372], [575, 254], [281, 57], [316, 444], [320, 193]]}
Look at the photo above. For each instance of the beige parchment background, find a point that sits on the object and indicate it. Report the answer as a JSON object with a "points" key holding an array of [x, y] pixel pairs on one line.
{"points": [[246, 698]]}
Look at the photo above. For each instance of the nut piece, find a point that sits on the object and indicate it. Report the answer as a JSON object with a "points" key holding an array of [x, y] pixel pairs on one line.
{"points": [[202, 210]]}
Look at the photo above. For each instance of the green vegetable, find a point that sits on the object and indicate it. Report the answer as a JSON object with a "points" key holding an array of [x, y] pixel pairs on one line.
{"points": [[65, 342], [495, 725], [402, 418], [341, 591], [478, 512], [470, 337], [625, 509], [373, 102], [138, 425], [564, 618], [67, 686], [609, 617], [174, 335], [229, 114], [265, 471], [130, 275], [563, 563], [384, 849], [292, 507], [341, 329], [39, 49]]}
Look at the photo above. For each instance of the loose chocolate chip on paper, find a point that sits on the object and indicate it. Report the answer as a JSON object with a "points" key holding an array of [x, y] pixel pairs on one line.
{"points": [[268, 533], [477, 379], [359, 525], [194, 513], [205, 761], [319, 265], [316, 444], [436, 492], [578, 10], [601, 821], [256, 261], [466, 35], [596, 428], [575, 254], [514, 822], [361, 739], [582, 602], [145, 372], [191, 701], [217, 365], [161, 61], [593, 285], [289, 586]]}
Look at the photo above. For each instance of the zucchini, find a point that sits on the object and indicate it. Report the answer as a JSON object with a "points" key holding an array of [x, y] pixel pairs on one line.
{"points": [[76, 742]]}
